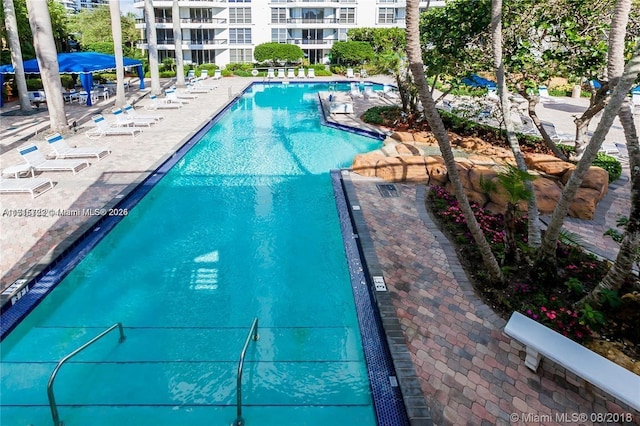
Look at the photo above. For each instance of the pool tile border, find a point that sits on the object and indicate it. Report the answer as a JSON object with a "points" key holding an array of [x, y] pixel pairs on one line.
{"points": [[379, 324]]}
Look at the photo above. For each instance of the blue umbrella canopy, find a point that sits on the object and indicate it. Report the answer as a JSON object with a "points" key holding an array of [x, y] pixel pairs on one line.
{"points": [[83, 63], [474, 80]]}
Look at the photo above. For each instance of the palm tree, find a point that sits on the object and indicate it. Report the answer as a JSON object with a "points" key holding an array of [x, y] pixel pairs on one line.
{"points": [[45, 47], [16, 53], [152, 43], [414, 56], [177, 40], [631, 238], [116, 30], [534, 237], [546, 261]]}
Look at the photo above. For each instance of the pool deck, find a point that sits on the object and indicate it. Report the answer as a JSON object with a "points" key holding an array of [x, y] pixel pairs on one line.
{"points": [[469, 371]]}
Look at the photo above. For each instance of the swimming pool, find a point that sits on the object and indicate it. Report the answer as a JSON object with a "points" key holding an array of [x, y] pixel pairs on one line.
{"points": [[243, 226]]}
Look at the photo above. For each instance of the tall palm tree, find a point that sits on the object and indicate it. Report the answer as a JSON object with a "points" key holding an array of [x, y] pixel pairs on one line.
{"points": [[45, 47], [546, 261], [414, 56], [152, 43], [534, 238], [177, 40], [116, 30], [631, 238], [16, 53]]}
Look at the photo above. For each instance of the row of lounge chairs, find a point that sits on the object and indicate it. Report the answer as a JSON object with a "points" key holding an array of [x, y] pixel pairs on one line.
{"points": [[311, 73]]}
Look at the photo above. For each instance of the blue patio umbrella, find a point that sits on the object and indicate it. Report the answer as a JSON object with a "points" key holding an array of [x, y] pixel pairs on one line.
{"points": [[474, 80], [82, 63]]}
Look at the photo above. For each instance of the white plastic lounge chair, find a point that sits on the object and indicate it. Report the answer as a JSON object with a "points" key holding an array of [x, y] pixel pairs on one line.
{"points": [[544, 95], [556, 137], [270, 73], [34, 186], [172, 97], [191, 74], [527, 127], [217, 75], [62, 150], [291, 73], [311, 73], [197, 88], [162, 104], [301, 73], [350, 73], [123, 119], [635, 102], [133, 114], [105, 129], [39, 162], [369, 93], [204, 74], [389, 93], [280, 73], [363, 73], [37, 97]]}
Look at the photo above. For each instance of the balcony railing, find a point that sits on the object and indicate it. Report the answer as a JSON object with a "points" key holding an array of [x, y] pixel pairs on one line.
{"points": [[310, 41], [186, 41], [186, 21], [312, 20]]}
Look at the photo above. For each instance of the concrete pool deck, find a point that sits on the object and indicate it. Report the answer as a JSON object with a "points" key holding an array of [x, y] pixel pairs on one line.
{"points": [[469, 371]]}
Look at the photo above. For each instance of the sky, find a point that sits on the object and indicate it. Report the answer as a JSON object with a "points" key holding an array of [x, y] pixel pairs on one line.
{"points": [[126, 6]]}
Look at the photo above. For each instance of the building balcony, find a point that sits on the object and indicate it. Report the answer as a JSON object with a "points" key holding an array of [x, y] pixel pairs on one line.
{"points": [[185, 23], [187, 44], [312, 43], [312, 21], [394, 22], [183, 3]]}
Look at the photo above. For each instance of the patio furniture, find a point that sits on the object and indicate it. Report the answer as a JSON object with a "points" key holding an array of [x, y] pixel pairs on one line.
{"points": [[34, 186], [62, 150], [19, 170], [106, 129], [39, 162]]}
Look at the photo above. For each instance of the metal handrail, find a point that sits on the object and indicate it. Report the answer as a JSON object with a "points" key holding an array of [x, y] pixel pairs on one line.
{"points": [[52, 399], [253, 334]]}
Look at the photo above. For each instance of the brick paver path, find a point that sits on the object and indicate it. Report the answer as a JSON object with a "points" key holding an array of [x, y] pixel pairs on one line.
{"points": [[470, 372]]}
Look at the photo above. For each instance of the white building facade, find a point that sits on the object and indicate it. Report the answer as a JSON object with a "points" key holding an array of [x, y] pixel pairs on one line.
{"points": [[226, 31], [77, 5]]}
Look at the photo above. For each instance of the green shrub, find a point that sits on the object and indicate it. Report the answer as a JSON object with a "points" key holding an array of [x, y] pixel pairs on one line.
{"points": [[67, 81], [226, 73], [237, 66], [242, 73], [381, 114], [338, 69], [167, 74], [34, 84], [602, 160]]}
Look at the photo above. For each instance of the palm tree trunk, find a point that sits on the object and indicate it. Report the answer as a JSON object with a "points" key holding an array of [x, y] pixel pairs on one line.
{"points": [[547, 252], [45, 47], [534, 237], [16, 53], [631, 239], [152, 44], [116, 30], [414, 55], [177, 40]]}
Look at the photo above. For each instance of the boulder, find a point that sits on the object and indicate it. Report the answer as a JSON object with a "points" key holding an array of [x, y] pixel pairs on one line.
{"points": [[415, 169], [406, 149], [365, 164], [495, 208], [596, 178], [390, 169], [481, 173], [425, 137], [402, 136], [547, 192], [584, 203], [436, 170], [482, 160], [547, 164]]}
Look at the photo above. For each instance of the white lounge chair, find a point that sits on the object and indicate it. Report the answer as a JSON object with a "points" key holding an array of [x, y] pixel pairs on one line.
{"points": [[389, 93], [543, 92], [635, 102], [158, 103], [197, 88], [301, 73], [350, 73], [291, 73], [172, 97], [204, 74], [132, 113], [217, 75], [34, 186], [556, 137], [105, 129], [62, 150], [311, 73], [37, 97], [39, 162], [123, 119], [369, 93], [280, 73], [270, 73]]}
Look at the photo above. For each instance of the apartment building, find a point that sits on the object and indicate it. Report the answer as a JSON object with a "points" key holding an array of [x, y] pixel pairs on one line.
{"points": [[224, 31], [77, 5]]}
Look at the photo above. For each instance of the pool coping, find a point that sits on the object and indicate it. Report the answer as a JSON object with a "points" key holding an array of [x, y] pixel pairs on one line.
{"points": [[395, 405]]}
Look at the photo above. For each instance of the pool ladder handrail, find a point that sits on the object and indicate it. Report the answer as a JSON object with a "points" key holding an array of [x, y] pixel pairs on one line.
{"points": [[253, 334], [52, 398]]}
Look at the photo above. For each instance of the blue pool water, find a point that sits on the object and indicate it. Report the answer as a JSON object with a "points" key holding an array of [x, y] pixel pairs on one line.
{"points": [[243, 226]]}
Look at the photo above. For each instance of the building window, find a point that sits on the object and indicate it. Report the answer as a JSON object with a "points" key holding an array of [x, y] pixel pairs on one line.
{"points": [[278, 15], [348, 15], [239, 15], [386, 15], [239, 1], [240, 36], [387, 1], [279, 35], [240, 55], [342, 34]]}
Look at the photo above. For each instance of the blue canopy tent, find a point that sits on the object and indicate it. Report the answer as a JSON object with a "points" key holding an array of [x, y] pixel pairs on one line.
{"points": [[474, 80], [82, 63]]}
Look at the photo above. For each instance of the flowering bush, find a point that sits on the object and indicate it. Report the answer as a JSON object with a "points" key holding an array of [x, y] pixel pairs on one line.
{"points": [[562, 319]]}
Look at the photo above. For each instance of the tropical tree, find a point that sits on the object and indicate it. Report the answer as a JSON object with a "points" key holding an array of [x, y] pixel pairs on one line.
{"points": [[416, 65], [351, 52], [177, 42], [534, 237], [23, 30], [546, 261], [116, 30], [16, 53], [92, 29], [631, 238], [152, 44], [48, 63]]}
